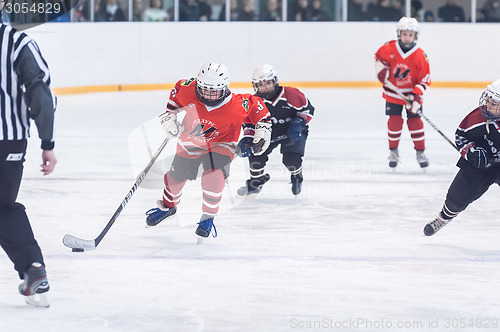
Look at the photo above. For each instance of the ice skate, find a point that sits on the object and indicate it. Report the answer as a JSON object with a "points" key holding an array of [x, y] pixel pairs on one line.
{"points": [[205, 227], [296, 180], [35, 285], [434, 226], [156, 215], [422, 159], [253, 185], [393, 158]]}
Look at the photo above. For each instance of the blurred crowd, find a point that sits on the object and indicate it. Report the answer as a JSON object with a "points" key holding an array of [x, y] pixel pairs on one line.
{"points": [[448, 11], [271, 10]]}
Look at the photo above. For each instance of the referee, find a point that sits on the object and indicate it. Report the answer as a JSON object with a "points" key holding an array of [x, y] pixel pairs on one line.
{"points": [[24, 94]]}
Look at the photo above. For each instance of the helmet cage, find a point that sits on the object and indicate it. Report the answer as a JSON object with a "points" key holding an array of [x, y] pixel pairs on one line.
{"points": [[210, 96], [264, 73], [212, 84], [489, 104], [257, 83]]}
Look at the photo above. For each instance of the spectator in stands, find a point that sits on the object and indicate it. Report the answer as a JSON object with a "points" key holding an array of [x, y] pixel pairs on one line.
{"points": [[319, 12], [429, 16], [451, 12], [138, 10], [189, 10], [109, 11], [155, 12], [491, 11], [355, 11], [233, 11], [417, 10], [205, 10], [82, 11], [301, 11], [247, 12], [382, 11], [272, 12]]}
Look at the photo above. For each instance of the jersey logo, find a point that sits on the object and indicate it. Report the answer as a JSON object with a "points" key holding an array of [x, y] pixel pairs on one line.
{"points": [[204, 131], [245, 104], [187, 82], [401, 75]]}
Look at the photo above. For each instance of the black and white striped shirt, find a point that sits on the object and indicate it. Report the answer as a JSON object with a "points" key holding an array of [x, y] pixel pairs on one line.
{"points": [[24, 89]]}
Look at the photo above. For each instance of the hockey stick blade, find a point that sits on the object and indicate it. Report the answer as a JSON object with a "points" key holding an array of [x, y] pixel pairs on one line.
{"points": [[74, 242]]}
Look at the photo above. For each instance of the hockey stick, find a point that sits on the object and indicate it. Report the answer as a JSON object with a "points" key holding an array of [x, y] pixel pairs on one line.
{"points": [[279, 138], [79, 245], [419, 112]]}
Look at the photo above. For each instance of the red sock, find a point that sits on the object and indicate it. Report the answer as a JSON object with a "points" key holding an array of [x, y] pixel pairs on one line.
{"points": [[394, 128], [173, 191], [212, 184], [416, 127]]}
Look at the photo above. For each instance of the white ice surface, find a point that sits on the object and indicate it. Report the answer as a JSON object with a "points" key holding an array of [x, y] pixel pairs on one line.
{"points": [[349, 249]]}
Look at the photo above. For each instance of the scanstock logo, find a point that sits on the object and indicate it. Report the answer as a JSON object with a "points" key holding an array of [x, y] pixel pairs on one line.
{"points": [[25, 14]]}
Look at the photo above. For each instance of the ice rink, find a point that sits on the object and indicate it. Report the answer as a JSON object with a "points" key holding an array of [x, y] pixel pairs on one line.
{"points": [[347, 254]]}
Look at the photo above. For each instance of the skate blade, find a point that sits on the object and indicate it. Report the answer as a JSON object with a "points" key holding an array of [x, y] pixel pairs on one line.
{"points": [[37, 300], [199, 240]]}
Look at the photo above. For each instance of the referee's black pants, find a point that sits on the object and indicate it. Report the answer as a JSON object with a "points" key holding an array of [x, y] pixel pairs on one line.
{"points": [[16, 235]]}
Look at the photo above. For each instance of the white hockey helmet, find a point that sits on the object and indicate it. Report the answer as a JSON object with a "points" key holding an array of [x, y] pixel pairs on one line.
{"points": [[489, 102], [408, 23], [212, 83], [264, 73]]}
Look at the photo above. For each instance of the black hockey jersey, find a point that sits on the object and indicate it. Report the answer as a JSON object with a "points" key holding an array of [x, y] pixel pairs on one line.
{"points": [[287, 104], [475, 129]]}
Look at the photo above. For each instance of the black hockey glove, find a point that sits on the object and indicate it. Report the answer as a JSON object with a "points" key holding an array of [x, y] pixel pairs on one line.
{"points": [[295, 129], [478, 157], [244, 148]]}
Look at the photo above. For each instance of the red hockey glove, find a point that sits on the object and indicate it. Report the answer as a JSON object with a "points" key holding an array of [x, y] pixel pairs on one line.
{"points": [[382, 70]]}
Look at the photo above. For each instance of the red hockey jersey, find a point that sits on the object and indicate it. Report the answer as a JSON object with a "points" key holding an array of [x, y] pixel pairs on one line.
{"points": [[213, 129], [409, 71]]}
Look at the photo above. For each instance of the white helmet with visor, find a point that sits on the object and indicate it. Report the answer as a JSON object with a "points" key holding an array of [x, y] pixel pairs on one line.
{"points": [[212, 83], [489, 102], [265, 80]]}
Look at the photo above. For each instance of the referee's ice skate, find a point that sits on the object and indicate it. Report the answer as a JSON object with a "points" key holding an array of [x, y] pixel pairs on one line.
{"points": [[35, 285]]}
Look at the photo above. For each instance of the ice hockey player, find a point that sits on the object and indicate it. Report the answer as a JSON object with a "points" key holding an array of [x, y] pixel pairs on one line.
{"points": [[208, 136], [478, 140], [291, 112], [24, 94], [406, 66]]}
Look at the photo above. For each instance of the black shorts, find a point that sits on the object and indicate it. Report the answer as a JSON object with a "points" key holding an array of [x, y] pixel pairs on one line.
{"points": [[395, 109], [187, 169]]}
